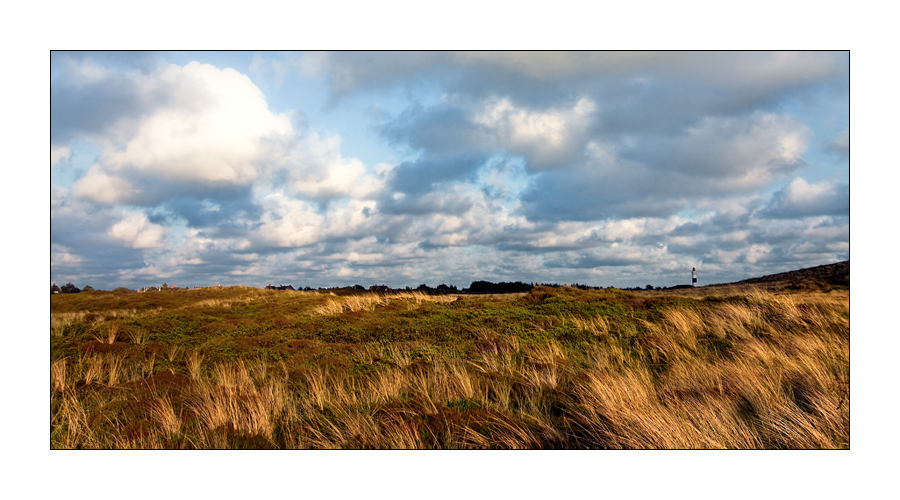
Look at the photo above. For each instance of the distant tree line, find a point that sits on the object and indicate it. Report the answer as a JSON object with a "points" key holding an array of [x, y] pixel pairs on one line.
{"points": [[477, 287], [651, 287], [502, 287], [69, 288], [517, 287], [439, 290]]}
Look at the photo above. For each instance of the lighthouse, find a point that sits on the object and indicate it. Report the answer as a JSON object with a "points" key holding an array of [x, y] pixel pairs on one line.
{"points": [[694, 276]]}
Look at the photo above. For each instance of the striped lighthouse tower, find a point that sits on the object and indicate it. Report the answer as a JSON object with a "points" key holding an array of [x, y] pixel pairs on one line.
{"points": [[694, 276]]}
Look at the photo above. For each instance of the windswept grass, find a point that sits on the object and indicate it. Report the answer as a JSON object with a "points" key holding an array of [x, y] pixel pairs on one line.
{"points": [[556, 368], [368, 302]]}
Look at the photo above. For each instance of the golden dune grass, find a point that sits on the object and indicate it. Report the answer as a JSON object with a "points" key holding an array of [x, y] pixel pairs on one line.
{"points": [[766, 371], [368, 302]]}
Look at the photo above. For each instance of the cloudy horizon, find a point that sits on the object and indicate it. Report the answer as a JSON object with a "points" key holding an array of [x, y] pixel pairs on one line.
{"points": [[402, 168]]}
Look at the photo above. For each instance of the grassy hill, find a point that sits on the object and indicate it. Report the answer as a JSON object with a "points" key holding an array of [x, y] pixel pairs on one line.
{"points": [[837, 274], [714, 367]]}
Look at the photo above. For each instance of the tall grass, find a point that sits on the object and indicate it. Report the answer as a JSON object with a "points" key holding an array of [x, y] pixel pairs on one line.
{"points": [[368, 302], [751, 370], [59, 322]]}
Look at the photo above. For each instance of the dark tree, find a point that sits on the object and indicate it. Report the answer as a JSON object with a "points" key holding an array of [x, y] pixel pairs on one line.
{"points": [[502, 287], [69, 288]]}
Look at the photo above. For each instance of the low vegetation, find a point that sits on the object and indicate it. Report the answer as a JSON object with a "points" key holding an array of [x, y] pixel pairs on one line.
{"points": [[551, 368]]}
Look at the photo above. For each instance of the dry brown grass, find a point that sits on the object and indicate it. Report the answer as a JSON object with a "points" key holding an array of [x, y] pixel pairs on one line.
{"points": [[226, 303], [781, 387], [137, 335], [758, 370], [119, 314], [194, 364], [369, 301], [58, 380], [163, 413], [109, 336], [595, 326], [62, 320], [92, 368]]}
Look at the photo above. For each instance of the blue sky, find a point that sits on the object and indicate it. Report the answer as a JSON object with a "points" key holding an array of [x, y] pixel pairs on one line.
{"points": [[402, 168]]}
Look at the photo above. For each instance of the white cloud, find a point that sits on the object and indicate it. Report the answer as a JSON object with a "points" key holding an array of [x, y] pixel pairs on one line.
{"points": [[744, 154], [138, 232], [85, 72], [62, 256], [622, 229], [60, 153], [801, 192], [99, 185], [559, 179], [799, 199], [150, 271], [345, 272], [757, 252], [547, 138], [319, 171], [724, 256], [350, 220], [215, 128], [212, 132], [289, 222]]}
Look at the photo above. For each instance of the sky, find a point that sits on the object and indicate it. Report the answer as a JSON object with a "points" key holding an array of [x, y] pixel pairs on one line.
{"points": [[329, 169]]}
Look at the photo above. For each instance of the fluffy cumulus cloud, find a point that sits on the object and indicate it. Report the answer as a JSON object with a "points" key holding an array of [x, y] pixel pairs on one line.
{"points": [[602, 168], [663, 175], [59, 153], [136, 231], [800, 199], [319, 171], [547, 138], [212, 130], [740, 153]]}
